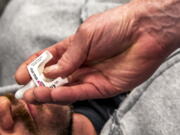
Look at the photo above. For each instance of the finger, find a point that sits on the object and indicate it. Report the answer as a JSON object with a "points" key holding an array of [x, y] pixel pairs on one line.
{"points": [[94, 86], [38, 95], [66, 95], [22, 76], [6, 121], [73, 57]]}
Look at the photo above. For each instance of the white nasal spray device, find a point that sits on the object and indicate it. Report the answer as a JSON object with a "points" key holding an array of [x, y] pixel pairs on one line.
{"points": [[35, 70]]}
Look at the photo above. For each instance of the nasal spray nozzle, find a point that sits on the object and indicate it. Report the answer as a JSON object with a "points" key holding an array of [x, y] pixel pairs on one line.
{"points": [[35, 70]]}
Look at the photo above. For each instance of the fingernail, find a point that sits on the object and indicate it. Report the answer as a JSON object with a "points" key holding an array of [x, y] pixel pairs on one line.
{"points": [[51, 68]]}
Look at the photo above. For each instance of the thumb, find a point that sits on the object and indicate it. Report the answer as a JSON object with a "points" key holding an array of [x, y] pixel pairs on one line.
{"points": [[72, 58]]}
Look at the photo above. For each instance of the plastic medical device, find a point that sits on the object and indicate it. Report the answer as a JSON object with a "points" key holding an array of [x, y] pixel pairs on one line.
{"points": [[35, 70]]}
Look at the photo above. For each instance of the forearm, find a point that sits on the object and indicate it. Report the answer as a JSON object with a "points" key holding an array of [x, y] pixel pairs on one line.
{"points": [[159, 19]]}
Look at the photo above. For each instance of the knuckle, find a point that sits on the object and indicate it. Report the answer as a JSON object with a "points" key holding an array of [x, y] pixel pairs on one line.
{"points": [[83, 28], [93, 17], [67, 61], [88, 25]]}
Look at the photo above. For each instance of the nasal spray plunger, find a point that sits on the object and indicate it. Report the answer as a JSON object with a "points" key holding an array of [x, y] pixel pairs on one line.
{"points": [[35, 70]]}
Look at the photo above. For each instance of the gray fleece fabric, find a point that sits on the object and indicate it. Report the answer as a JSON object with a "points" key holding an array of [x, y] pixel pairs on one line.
{"points": [[153, 107], [27, 26]]}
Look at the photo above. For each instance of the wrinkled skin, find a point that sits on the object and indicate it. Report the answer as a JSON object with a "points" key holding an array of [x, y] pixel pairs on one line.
{"points": [[19, 118], [111, 52]]}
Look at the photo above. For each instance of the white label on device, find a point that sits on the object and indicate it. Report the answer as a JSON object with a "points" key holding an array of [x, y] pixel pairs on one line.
{"points": [[36, 69]]}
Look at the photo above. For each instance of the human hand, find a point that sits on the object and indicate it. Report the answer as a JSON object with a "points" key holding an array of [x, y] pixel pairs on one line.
{"points": [[111, 52]]}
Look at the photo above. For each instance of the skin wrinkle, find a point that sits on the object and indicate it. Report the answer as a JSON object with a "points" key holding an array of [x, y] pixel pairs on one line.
{"points": [[90, 39], [99, 90], [89, 47], [35, 95], [127, 27], [160, 20], [102, 92]]}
